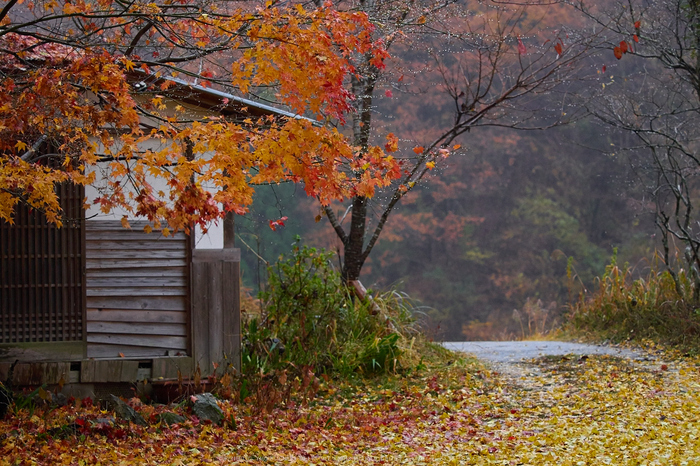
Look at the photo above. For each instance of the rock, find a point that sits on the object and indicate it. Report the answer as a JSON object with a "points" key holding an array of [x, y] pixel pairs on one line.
{"points": [[171, 418], [104, 422], [43, 397], [60, 399], [207, 409], [126, 412]]}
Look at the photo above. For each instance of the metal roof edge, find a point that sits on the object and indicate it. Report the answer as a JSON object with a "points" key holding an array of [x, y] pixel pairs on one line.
{"points": [[220, 95]]}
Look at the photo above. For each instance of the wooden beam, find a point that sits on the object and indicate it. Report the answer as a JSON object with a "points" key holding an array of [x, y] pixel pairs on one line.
{"points": [[104, 351], [211, 255], [42, 351], [152, 303], [168, 368], [150, 341], [136, 315], [96, 371], [141, 328]]}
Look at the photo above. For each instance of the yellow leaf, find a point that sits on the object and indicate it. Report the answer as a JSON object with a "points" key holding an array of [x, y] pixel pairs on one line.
{"points": [[20, 145], [430, 165]]}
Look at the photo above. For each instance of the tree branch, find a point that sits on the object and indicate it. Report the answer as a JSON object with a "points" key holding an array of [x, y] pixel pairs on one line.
{"points": [[335, 224]]}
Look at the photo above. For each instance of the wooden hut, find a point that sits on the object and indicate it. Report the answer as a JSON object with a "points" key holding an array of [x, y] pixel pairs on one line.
{"points": [[93, 303]]}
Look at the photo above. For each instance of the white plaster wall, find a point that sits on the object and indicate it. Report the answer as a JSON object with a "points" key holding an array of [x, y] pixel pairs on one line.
{"points": [[212, 239]]}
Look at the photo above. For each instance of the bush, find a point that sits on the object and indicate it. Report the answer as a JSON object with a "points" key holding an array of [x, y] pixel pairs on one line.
{"points": [[311, 322], [651, 307]]}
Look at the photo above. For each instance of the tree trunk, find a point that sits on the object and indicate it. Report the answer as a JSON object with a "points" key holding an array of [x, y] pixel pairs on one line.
{"points": [[354, 246], [354, 253]]}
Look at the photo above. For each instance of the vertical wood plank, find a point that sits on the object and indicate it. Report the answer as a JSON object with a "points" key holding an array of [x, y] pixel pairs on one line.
{"points": [[51, 271], [68, 260], [200, 314], [23, 311], [5, 281], [38, 232], [216, 310], [236, 315], [74, 277], [64, 272], [83, 286], [17, 305], [189, 247], [232, 313], [3, 286], [227, 317]]}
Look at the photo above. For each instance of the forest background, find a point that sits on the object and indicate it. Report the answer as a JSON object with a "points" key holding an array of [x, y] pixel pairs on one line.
{"points": [[507, 231]]}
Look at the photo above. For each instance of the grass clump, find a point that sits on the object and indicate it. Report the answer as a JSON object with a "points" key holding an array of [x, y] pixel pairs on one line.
{"points": [[659, 306]]}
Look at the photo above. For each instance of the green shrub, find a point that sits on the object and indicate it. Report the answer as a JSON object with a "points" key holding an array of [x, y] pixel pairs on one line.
{"points": [[310, 321]]}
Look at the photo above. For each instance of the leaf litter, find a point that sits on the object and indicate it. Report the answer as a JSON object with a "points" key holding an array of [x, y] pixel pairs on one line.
{"points": [[559, 411]]}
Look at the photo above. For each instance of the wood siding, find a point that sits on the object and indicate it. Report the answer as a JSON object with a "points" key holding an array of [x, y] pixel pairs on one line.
{"points": [[41, 279], [136, 288], [216, 324]]}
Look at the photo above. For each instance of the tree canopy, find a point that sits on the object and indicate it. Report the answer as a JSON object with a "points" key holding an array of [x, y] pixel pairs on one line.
{"points": [[72, 104]]}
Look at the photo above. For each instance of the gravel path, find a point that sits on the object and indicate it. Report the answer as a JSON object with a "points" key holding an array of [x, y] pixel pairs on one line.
{"points": [[517, 351], [512, 360]]}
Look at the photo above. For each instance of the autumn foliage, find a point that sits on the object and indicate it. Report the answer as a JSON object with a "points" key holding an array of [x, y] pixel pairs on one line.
{"points": [[551, 411], [70, 111]]}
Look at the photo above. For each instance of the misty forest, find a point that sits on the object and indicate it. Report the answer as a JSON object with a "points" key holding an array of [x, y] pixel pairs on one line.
{"points": [[502, 235]]}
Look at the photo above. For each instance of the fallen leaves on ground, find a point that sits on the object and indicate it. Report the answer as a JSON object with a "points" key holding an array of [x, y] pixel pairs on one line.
{"points": [[558, 411]]}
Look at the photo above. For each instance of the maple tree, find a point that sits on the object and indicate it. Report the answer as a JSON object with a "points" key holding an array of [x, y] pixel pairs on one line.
{"points": [[84, 99], [495, 64], [650, 89]]}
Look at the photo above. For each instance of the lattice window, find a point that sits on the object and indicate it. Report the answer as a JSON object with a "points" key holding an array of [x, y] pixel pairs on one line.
{"points": [[41, 274]]}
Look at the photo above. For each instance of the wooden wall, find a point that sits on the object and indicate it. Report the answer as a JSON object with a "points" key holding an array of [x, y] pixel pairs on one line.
{"points": [[136, 291], [153, 308]]}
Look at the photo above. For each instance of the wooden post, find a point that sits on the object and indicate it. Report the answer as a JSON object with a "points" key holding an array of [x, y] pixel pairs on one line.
{"points": [[216, 308], [229, 231], [231, 295]]}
